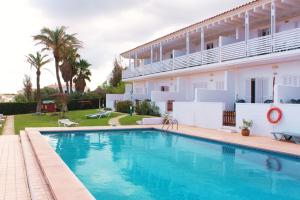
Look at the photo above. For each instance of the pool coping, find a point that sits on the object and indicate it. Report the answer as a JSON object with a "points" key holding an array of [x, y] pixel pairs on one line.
{"points": [[65, 185]]}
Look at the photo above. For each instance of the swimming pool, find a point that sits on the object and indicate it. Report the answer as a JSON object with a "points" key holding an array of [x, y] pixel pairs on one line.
{"points": [[150, 164]]}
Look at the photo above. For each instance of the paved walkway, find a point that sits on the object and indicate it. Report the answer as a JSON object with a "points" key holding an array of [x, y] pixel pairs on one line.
{"points": [[115, 121], [9, 128], [13, 181]]}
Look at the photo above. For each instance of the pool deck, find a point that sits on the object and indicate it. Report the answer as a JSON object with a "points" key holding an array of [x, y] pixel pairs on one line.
{"points": [[43, 174]]}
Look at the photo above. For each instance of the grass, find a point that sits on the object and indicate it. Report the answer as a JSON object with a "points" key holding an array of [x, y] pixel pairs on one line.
{"points": [[131, 120], [50, 120]]}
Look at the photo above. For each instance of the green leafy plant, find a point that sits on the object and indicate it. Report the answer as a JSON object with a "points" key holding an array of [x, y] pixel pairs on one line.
{"points": [[247, 124], [123, 106], [147, 108]]}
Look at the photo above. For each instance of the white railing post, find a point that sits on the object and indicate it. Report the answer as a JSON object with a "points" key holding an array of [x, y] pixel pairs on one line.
{"points": [[202, 43], [273, 23], [173, 59], [246, 31], [220, 48]]}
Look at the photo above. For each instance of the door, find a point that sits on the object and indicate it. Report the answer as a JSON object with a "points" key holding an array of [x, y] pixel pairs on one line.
{"points": [[256, 90], [170, 105], [253, 90]]}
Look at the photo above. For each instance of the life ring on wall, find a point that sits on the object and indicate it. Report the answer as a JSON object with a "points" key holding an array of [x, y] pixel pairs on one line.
{"points": [[279, 115], [273, 164]]}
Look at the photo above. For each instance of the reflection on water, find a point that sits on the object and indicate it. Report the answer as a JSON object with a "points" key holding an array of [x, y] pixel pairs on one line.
{"points": [[152, 165]]}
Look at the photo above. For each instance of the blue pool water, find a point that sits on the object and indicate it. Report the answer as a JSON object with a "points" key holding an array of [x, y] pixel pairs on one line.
{"points": [[152, 165]]}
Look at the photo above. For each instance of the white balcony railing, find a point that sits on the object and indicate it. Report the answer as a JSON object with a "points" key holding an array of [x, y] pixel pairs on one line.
{"points": [[282, 41]]}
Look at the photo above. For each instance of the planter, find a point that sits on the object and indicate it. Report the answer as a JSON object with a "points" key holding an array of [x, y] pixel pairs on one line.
{"points": [[245, 132]]}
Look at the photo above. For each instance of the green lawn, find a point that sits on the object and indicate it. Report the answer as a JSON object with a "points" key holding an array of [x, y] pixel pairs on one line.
{"points": [[131, 120], [50, 120]]}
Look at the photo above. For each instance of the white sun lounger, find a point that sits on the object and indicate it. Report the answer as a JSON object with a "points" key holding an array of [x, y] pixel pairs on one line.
{"points": [[288, 136], [66, 123]]}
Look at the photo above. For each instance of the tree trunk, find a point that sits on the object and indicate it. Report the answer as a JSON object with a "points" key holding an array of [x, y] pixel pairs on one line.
{"points": [[57, 75], [38, 92], [71, 85], [67, 85]]}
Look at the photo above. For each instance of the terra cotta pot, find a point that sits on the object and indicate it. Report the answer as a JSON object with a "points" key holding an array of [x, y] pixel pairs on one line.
{"points": [[245, 132]]}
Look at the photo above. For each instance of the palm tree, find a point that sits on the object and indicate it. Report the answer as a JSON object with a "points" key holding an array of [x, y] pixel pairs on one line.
{"points": [[38, 61], [57, 41], [68, 66], [82, 74]]}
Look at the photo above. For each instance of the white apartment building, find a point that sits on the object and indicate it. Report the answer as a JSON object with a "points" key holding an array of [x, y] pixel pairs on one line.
{"points": [[215, 73]]}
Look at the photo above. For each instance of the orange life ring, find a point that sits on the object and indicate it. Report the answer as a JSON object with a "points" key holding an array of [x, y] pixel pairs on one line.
{"points": [[279, 115]]}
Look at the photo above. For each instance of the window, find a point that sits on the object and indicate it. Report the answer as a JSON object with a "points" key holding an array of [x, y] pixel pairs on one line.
{"points": [[164, 88], [289, 80], [219, 85], [170, 105], [209, 46]]}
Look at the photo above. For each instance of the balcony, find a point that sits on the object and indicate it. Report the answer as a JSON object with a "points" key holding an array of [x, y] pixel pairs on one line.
{"points": [[282, 41]]}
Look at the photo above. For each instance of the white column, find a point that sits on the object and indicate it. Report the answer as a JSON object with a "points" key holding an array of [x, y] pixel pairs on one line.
{"points": [[273, 22], [151, 54], [187, 42], [246, 31], [237, 33], [129, 62], [173, 56], [220, 48], [202, 43], [135, 59], [202, 39], [160, 52]]}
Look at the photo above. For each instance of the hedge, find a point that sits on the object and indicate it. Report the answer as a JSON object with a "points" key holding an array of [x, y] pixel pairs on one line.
{"points": [[30, 107], [17, 108]]}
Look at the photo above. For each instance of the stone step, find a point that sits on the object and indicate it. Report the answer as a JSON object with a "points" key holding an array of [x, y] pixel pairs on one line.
{"points": [[37, 183]]}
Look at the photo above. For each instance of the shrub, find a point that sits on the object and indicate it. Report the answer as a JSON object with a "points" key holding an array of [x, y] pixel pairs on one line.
{"points": [[123, 106], [147, 108]]}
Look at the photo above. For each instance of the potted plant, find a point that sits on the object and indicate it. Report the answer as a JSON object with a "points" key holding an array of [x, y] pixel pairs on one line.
{"points": [[245, 128]]}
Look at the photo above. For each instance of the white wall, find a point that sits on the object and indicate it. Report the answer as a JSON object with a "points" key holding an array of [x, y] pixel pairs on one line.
{"points": [[284, 94], [226, 95], [111, 98], [201, 114], [162, 107], [261, 126]]}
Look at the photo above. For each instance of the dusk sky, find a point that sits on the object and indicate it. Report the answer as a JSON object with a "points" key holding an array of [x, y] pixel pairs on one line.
{"points": [[106, 29]]}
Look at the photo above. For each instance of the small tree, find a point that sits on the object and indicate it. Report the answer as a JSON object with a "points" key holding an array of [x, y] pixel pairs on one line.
{"points": [[27, 88], [38, 61], [116, 74]]}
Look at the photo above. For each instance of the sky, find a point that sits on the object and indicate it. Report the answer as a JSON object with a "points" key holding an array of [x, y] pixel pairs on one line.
{"points": [[106, 28]]}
